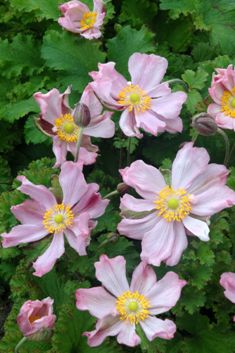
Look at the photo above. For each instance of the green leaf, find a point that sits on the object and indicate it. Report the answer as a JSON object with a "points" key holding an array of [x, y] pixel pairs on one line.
{"points": [[43, 8], [145, 12], [195, 80], [127, 42], [33, 134], [17, 110], [73, 57]]}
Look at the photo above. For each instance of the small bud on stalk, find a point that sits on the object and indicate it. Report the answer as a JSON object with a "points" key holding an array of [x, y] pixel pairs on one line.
{"points": [[204, 124], [81, 115], [122, 188]]}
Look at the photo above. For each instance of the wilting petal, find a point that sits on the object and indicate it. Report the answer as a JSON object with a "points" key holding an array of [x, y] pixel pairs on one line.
{"points": [[189, 163], [147, 70], [137, 228], [72, 183], [23, 234], [197, 227], [112, 274], [154, 327], [143, 278], [97, 300], [145, 179], [180, 244], [46, 262], [165, 293], [227, 280], [29, 212], [39, 193]]}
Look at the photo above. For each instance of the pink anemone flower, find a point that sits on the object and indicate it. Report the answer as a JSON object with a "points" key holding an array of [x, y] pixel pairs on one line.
{"points": [[57, 120], [222, 91], [120, 307], [43, 214], [167, 213], [78, 18], [227, 280], [36, 318], [146, 103]]}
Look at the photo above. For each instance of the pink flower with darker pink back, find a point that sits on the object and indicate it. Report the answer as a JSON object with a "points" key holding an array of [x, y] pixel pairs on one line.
{"points": [[222, 91], [146, 102], [120, 308], [169, 211], [57, 120], [72, 216], [36, 318], [78, 18], [227, 280]]}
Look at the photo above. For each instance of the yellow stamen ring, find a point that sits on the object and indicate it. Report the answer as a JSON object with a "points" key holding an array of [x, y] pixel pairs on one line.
{"points": [[88, 20], [58, 218], [133, 97], [133, 307], [66, 128], [173, 205], [228, 103]]}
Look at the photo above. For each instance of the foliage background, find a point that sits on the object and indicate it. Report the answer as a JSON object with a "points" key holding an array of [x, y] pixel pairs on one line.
{"points": [[36, 54]]}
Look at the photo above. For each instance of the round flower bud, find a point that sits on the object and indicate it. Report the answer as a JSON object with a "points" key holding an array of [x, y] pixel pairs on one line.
{"points": [[36, 319], [122, 188], [204, 124], [81, 115]]}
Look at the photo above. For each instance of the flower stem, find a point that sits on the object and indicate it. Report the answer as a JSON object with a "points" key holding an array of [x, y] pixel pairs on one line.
{"points": [[181, 82], [20, 344], [79, 141], [115, 192], [227, 145], [128, 151]]}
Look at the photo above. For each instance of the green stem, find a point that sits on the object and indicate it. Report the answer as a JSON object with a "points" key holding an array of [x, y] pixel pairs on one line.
{"points": [[227, 145], [115, 192], [181, 82], [79, 141], [20, 344], [128, 151]]}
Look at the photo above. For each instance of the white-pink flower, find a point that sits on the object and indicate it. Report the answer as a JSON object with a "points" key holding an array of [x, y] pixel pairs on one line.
{"points": [[222, 91], [78, 18], [57, 120], [227, 280], [167, 213], [73, 216], [36, 318], [120, 307], [146, 103]]}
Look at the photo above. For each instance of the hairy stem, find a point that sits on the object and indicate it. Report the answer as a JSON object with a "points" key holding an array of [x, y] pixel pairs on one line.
{"points": [[20, 344], [112, 193], [79, 141], [181, 82], [227, 146]]}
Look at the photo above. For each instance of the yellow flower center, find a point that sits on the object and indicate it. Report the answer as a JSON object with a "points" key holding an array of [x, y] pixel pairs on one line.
{"points": [[228, 103], [58, 218], [133, 97], [133, 307], [173, 205], [33, 318], [88, 20], [66, 128]]}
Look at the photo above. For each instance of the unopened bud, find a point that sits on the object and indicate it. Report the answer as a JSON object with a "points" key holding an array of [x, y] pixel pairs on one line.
{"points": [[81, 115], [122, 188], [204, 124]]}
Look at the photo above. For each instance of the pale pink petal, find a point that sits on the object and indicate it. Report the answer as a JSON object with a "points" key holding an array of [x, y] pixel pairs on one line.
{"points": [[189, 163], [101, 126], [80, 224], [39, 193], [78, 242], [154, 327], [129, 202], [160, 90], [147, 70], [72, 183], [127, 335], [47, 260], [165, 293], [92, 33], [85, 157], [143, 278], [225, 122], [74, 4], [227, 280], [112, 274], [173, 126], [23, 234], [169, 106], [29, 212], [149, 122], [137, 228], [91, 101], [213, 109], [180, 244], [60, 151], [127, 123], [145, 179], [157, 244], [216, 92], [197, 227], [96, 300], [108, 326], [98, 6]]}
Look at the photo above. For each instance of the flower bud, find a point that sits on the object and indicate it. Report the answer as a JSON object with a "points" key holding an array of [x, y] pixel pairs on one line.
{"points": [[36, 319], [81, 115], [204, 124], [122, 188]]}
